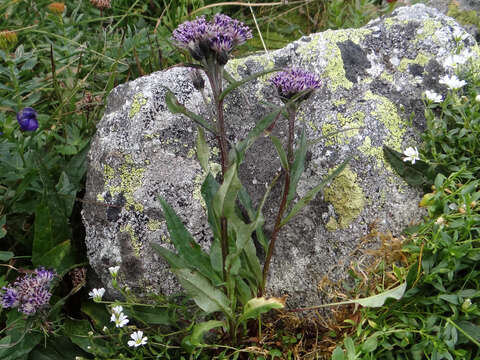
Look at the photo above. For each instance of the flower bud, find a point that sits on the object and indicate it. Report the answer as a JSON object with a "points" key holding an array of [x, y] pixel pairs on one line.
{"points": [[8, 39], [466, 304], [197, 80], [27, 119]]}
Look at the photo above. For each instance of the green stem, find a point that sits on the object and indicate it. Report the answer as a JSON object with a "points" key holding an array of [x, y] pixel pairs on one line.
{"points": [[283, 204]]}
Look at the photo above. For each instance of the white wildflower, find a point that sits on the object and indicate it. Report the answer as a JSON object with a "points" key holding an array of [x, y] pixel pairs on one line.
{"points": [[119, 319], [117, 309], [138, 339], [452, 82], [411, 154], [433, 96], [114, 271], [477, 98], [96, 294]]}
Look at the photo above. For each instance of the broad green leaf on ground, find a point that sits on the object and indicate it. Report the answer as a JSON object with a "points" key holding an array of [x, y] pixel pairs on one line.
{"points": [[372, 301], [206, 296], [200, 329], [260, 305]]}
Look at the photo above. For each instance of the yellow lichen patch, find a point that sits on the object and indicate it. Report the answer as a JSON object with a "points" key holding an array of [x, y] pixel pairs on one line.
{"points": [[386, 76], [154, 225], [348, 128], [346, 196], [332, 224], [138, 101], [325, 45], [428, 30], [100, 198], [421, 59], [130, 180], [133, 239], [374, 151], [340, 102], [386, 113], [190, 153]]}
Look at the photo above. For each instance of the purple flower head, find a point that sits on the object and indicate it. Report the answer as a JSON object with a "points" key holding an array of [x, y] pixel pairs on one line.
{"points": [[27, 119], [44, 277], [293, 81], [218, 37], [30, 292], [9, 298]]}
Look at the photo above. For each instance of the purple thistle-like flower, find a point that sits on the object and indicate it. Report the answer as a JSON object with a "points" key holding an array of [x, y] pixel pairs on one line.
{"points": [[219, 36], [30, 292], [44, 277], [293, 81], [9, 298], [27, 119]]}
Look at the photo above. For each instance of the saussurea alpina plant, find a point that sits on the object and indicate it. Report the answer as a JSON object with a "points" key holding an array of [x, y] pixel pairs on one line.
{"points": [[229, 279]]}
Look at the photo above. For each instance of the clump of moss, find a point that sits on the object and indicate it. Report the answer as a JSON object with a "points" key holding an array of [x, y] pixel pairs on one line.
{"points": [[464, 17]]}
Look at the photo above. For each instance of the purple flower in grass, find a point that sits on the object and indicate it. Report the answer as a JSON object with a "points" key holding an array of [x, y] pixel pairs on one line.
{"points": [[293, 81], [218, 37], [27, 119], [29, 293]]}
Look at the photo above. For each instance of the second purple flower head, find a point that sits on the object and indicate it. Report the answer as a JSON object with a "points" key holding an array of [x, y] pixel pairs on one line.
{"points": [[27, 119], [293, 81]]}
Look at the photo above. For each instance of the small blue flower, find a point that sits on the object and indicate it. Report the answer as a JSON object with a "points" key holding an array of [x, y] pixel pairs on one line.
{"points": [[27, 119]]}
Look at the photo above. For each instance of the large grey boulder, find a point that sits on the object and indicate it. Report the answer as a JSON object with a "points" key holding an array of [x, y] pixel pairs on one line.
{"points": [[373, 80]]}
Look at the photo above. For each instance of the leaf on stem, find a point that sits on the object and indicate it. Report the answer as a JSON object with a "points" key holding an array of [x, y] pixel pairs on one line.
{"points": [[297, 167], [187, 248], [313, 192], [176, 108], [236, 84], [203, 151], [260, 305], [206, 296], [280, 150]]}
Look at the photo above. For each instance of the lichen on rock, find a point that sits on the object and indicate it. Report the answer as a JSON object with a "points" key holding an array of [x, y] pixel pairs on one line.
{"points": [[346, 196]]}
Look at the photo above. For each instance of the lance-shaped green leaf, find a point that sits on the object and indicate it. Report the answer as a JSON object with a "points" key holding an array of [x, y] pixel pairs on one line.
{"points": [[253, 135], [224, 199], [297, 167], [176, 108], [312, 193], [186, 246], [236, 84], [372, 301], [203, 152], [247, 204], [175, 261], [280, 150], [206, 296], [200, 329], [258, 306], [209, 188], [413, 174]]}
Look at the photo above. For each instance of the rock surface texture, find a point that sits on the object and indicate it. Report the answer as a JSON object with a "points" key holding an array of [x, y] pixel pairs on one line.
{"points": [[373, 79]]}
